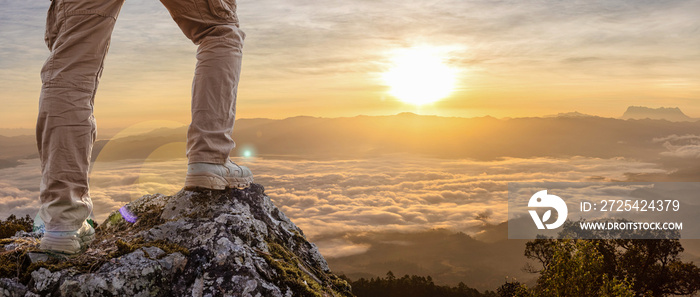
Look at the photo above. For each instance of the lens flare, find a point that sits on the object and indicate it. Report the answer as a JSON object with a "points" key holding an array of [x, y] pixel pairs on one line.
{"points": [[127, 215]]}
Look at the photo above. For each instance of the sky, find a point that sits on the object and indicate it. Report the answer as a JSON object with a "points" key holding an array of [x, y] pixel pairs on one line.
{"points": [[329, 58]]}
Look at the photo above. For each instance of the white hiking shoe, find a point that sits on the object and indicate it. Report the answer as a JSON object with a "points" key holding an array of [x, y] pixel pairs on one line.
{"points": [[68, 242], [218, 177]]}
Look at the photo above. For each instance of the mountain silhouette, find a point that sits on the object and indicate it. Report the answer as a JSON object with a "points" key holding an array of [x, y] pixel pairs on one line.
{"points": [[673, 114]]}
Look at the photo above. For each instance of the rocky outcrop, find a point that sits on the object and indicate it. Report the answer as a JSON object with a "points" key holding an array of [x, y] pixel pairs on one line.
{"points": [[194, 243]]}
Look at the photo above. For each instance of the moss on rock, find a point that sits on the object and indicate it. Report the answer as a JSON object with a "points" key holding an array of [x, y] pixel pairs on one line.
{"points": [[292, 273], [218, 243]]}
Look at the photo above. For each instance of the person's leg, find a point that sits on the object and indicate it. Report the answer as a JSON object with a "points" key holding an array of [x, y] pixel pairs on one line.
{"points": [[77, 34], [213, 26]]}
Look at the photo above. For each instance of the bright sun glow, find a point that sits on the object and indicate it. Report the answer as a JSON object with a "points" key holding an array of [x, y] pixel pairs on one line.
{"points": [[420, 76]]}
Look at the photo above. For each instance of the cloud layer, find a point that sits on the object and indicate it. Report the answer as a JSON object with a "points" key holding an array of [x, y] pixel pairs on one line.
{"points": [[681, 146], [393, 193], [366, 215]]}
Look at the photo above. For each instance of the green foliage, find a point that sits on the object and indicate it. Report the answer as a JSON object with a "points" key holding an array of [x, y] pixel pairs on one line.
{"points": [[291, 272], [576, 268], [410, 286], [340, 285], [16, 263], [12, 224], [611, 267], [513, 289]]}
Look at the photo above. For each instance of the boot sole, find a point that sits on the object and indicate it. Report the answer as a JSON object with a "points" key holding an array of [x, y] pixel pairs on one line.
{"points": [[65, 245], [217, 182]]}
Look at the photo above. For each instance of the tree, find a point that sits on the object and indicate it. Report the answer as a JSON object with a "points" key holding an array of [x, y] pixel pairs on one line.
{"points": [[12, 224], [410, 286], [576, 268], [513, 289], [645, 267]]}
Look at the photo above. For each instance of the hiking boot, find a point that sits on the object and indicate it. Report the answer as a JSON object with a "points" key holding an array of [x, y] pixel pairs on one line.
{"points": [[218, 177], [68, 242]]}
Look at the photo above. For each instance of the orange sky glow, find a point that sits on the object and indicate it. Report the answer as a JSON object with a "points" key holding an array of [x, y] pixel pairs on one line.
{"points": [[330, 59]]}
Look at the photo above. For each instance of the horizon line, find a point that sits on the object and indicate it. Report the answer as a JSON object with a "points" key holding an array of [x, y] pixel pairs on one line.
{"points": [[560, 114]]}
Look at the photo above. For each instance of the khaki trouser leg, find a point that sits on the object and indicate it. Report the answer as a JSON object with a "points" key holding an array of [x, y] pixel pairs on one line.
{"points": [[213, 25], [77, 34]]}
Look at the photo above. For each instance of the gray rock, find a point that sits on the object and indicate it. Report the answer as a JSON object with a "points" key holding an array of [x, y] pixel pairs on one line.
{"points": [[194, 243]]}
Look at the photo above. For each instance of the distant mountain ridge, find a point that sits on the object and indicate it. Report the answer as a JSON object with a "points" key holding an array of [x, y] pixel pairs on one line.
{"points": [[481, 138], [672, 114], [571, 114]]}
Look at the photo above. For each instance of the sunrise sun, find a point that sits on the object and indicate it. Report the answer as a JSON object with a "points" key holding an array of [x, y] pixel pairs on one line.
{"points": [[420, 76]]}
